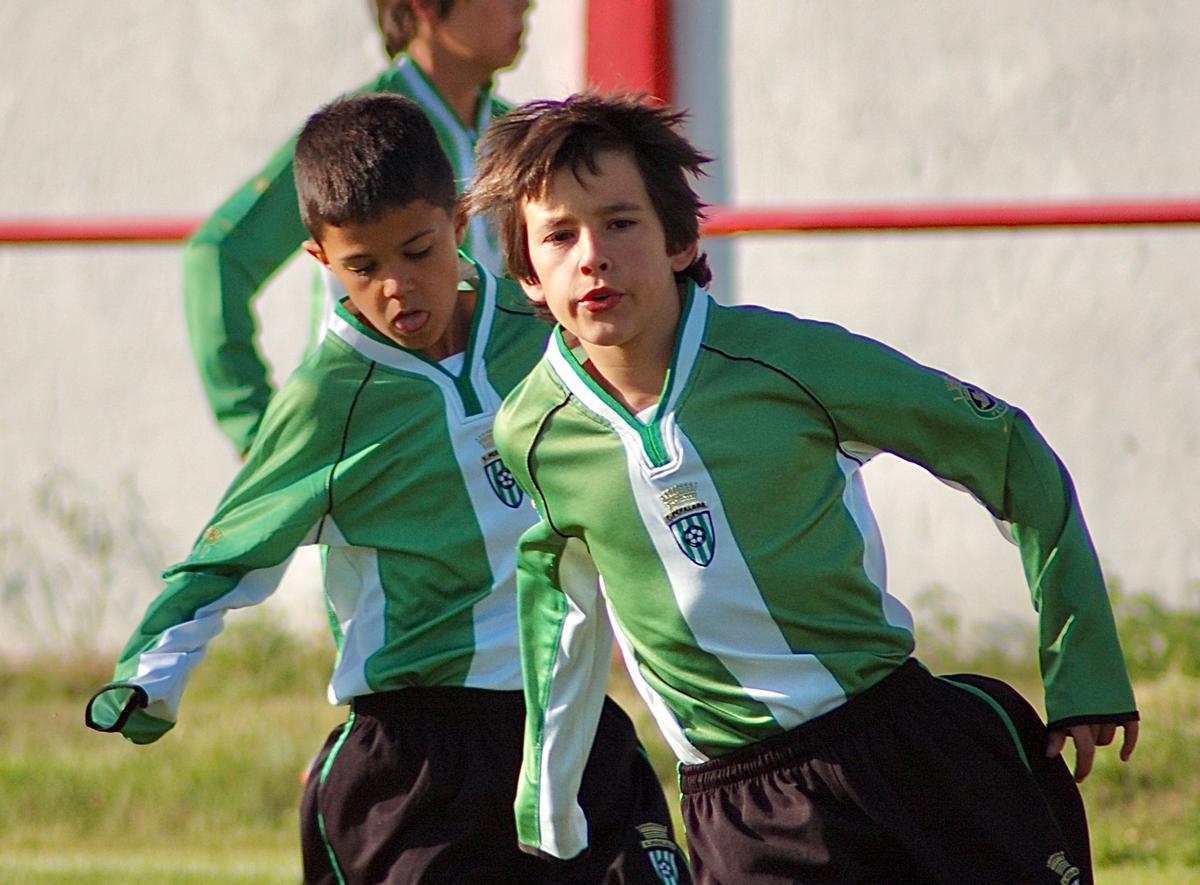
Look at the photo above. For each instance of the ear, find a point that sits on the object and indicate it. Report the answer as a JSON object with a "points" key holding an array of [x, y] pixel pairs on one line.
{"points": [[681, 260], [313, 248], [424, 11], [533, 291], [460, 224]]}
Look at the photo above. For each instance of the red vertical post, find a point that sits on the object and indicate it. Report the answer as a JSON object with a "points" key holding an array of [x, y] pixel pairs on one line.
{"points": [[629, 47]]}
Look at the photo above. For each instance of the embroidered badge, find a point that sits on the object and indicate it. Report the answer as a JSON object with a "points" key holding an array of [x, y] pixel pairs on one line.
{"points": [[1063, 868], [690, 522], [662, 852], [211, 536], [980, 401], [499, 477]]}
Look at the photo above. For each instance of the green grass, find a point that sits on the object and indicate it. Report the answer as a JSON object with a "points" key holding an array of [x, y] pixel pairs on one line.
{"points": [[216, 800]]}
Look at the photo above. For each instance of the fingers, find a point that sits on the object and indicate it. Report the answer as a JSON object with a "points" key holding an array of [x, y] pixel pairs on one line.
{"points": [[1105, 734], [1130, 739], [1085, 751], [1057, 740]]}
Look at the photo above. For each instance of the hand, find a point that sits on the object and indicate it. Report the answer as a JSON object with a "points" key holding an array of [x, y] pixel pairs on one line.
{"points": [[1087, 738]]}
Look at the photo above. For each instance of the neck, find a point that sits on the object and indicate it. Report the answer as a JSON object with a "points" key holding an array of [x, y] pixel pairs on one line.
{"points": [[634, 373], [459, 85]]}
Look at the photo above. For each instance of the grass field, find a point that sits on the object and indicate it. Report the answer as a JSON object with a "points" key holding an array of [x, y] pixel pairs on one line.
{"points": [[216, 799]]}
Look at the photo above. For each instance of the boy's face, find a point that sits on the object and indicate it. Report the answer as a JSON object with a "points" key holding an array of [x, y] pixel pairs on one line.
{"points": [[600, 254], [401, 274], [484, 33]]}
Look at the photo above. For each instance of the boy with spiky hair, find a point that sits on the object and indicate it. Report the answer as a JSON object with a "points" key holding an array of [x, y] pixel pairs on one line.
{"points": [[379, 451], [705, 461]]}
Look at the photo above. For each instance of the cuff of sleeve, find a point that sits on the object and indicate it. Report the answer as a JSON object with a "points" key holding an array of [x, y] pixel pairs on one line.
{"points": [[1093, 719]]}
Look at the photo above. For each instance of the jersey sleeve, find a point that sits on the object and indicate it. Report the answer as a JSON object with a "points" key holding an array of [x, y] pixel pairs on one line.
{"points": [[225, 265], [566, 654], [879, 400], [275, 505]]}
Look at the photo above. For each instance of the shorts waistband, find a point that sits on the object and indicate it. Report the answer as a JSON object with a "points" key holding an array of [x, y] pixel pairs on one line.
{"points": [[805, 739], [437, 699]]}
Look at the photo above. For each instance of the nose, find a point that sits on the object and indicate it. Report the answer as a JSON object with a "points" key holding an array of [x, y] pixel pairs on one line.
{"points": [[592, 258], [394, 286]]}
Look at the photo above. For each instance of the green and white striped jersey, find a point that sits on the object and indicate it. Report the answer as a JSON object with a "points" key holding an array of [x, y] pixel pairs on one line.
{"points": [[385, 459], [740, 563], [229, 260]]}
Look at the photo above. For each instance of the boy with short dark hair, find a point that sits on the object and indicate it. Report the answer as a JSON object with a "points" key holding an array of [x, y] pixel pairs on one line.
{"points": [[704, 460], [379, 450], [445, 54]]}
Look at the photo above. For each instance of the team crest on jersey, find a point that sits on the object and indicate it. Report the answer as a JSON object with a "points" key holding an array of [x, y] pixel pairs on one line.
{"points": [[690, 522], [499, 477], [980, 401], [662, 851]]}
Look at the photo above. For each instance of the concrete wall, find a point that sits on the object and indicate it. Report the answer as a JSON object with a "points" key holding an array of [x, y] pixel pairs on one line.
{"points": [[150, 108], [1095, 333]]}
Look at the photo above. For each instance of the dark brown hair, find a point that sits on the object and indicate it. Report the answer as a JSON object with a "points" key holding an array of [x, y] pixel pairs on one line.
{"points": [[523, 150], [398, 25], [359, 157]]}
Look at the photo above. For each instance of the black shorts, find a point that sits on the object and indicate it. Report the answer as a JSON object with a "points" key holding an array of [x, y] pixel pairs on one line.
{"points": [[919, 779], [418, 786]]}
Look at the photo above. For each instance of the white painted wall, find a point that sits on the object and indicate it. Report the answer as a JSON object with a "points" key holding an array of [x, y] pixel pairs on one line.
{"points": [[150, 108], [1096, 334]]}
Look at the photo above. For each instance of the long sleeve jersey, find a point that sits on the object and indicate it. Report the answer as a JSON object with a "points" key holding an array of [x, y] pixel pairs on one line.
{"points": [[258, 229], [385, 459], [740, 563]]}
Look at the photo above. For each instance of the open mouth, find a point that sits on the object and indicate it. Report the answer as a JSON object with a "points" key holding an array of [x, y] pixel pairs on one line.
{"points": [[599, 300], [410, 321]]}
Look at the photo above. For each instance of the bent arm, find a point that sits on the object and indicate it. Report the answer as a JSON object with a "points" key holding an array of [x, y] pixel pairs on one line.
{"points": [[882, 400], [225, 266]]}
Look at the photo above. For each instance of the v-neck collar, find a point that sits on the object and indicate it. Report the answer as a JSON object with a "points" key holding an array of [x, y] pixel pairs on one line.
{"points": [[472, 392], [652, 435], [435, 103]]}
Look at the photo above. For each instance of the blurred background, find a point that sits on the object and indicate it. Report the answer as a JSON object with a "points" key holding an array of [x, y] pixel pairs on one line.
{"points": [[139, 109], [136, 109]]}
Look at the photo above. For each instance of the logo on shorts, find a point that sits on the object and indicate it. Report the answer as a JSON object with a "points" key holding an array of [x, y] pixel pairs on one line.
{"points": [[662, 851], [499, 477], [980, 401], [1063, 868], [690, 522]]}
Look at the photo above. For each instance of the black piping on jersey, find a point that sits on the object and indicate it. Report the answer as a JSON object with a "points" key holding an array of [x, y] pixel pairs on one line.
{"points": [[362, 385], [804, 387], [541, 429]]}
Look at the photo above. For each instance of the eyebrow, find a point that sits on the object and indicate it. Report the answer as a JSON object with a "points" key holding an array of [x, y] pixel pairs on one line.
{"points": [[610, 209], [358, 256]]}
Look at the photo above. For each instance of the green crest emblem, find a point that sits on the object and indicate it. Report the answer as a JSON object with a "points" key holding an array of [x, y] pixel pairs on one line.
{"points": [[499, 477], [503, 483], [690, 522], [978, 400]]}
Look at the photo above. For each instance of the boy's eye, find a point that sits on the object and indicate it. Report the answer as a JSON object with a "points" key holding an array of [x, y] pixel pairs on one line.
{"points": [[418, 255], [622, 223], [560, 236], [364, 270]]}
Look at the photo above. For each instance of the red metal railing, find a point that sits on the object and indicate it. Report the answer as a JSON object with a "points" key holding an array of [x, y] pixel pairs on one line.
{"points": [[722, 221]]}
